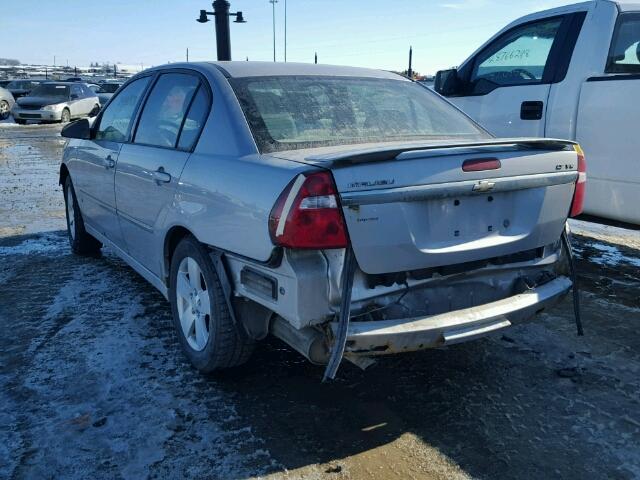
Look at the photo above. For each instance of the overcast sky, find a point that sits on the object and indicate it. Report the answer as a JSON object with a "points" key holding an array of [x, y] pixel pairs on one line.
{"points": [[366, 33]]}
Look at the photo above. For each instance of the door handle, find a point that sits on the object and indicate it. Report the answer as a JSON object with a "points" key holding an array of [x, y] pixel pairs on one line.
{"points": [[531, 110], [109, 162], [160, 176]]}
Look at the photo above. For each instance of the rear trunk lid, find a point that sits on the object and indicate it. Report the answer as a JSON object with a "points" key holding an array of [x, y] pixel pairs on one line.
{"points": [[415, 206]]}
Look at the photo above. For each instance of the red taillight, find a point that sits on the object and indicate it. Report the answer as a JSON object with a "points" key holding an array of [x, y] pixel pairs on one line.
{"points": [[307, 214], [577, 204]]}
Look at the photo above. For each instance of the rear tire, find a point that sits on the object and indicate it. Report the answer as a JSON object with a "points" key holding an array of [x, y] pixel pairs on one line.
{"points": [[5, 110], [94, 111], [65, 117], [81, 242], [205, 328]]}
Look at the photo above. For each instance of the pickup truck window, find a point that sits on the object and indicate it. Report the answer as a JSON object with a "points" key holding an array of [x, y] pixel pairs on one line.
{"points": [[517, 58], [624, 55], [165, 109], [295, 112]]}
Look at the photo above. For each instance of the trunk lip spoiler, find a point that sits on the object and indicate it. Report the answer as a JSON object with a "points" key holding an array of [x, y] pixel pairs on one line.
{"points": [[430, 191], [382, 153]]}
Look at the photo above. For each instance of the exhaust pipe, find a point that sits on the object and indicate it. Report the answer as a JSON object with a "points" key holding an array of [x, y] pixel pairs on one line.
{"points": [[307, 341]]}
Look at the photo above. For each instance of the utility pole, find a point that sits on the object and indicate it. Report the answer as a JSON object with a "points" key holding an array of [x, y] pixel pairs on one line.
{"points": [[273, 5], [54, 60], [285, 31], [187, 54], [115, 71], [316, 58], [223, 37], [410, 71]]}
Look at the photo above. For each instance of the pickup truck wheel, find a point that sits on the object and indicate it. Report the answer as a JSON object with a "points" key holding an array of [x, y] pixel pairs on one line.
{"points": [[81, 242], [206, 331]]}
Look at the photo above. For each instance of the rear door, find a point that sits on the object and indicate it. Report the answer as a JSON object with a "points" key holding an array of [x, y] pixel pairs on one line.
{"points": [[94, 161], [608, 116], [149, 168], [507, 83]]}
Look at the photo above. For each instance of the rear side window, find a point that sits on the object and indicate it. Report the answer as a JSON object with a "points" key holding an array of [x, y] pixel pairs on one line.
{"points": [[517, 58], [165, 110], [624, 54], [195, 120], [116, 119]]}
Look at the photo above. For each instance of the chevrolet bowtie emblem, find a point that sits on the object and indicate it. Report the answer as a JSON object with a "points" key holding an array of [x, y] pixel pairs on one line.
{"points": [[483, 186]]}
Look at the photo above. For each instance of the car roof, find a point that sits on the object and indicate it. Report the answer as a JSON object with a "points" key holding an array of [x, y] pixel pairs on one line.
{"points": [[240, 69]]}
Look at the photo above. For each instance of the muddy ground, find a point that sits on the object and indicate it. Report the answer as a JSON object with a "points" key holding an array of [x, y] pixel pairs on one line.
{"points": [[93, 385]]}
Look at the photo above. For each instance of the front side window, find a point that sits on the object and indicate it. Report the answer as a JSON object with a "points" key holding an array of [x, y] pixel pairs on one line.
{"points": [[294, 112], [517, 58], [165, 109], [624, 55], [116, 119]]}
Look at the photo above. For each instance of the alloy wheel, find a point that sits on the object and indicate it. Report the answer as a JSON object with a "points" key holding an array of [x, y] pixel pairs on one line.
{"points": [[71, 214], [194, 309]]}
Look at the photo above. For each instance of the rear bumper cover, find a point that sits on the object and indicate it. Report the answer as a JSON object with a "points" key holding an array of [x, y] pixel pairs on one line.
{"points": [[410, 334]]}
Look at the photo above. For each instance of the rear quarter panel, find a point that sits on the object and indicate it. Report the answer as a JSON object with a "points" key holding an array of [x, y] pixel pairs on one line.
{"points": [[225, 201]]}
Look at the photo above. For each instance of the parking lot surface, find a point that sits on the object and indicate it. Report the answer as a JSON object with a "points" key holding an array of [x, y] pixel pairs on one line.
{"points": [[93, 385]]}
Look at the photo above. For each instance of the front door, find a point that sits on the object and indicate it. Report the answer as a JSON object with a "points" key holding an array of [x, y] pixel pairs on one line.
{"points": [[508, 82], [95, 161], [149, 168], [608, 116]]}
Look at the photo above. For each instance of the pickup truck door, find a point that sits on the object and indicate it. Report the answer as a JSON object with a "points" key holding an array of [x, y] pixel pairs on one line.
{"points": [[506, 84], [149, 168], [608, 116], [93, 162]]}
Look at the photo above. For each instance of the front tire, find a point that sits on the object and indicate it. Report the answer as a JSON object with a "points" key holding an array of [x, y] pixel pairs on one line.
{"points": [[81, 242], [5, 110], [201, 317], [65, 117]]}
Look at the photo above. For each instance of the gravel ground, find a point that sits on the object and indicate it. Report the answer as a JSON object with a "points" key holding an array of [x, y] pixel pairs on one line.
{"points": [[93, 385]]}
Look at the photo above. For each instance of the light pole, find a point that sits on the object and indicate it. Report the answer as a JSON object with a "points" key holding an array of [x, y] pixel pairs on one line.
{"points": [[223, 37], [285, 31], [273, 5]]}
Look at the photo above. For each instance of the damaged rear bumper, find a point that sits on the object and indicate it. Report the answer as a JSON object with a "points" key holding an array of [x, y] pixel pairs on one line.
{"points": [[408, 334]]}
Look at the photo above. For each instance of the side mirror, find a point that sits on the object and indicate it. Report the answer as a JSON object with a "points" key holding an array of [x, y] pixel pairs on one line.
{"points": [[448, 82], [74, 96], [80, 129]]}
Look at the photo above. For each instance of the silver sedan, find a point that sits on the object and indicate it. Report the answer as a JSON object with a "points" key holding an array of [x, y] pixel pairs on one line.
{"points": [[56, 102]]}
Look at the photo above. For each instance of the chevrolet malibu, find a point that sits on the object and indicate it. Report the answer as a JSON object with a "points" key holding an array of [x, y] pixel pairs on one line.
{"points": [[350, 212]]}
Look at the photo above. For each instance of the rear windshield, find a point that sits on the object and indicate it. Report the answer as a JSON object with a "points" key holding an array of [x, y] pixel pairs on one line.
{"points": [[294, 112], [51, 90]]}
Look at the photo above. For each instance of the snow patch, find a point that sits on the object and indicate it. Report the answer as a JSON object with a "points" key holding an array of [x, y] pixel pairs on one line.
{"points": [[611, 255], [40, 245]]}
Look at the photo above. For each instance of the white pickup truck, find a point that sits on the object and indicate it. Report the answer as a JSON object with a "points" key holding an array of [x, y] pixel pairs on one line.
{"points": [[570, 72]]}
